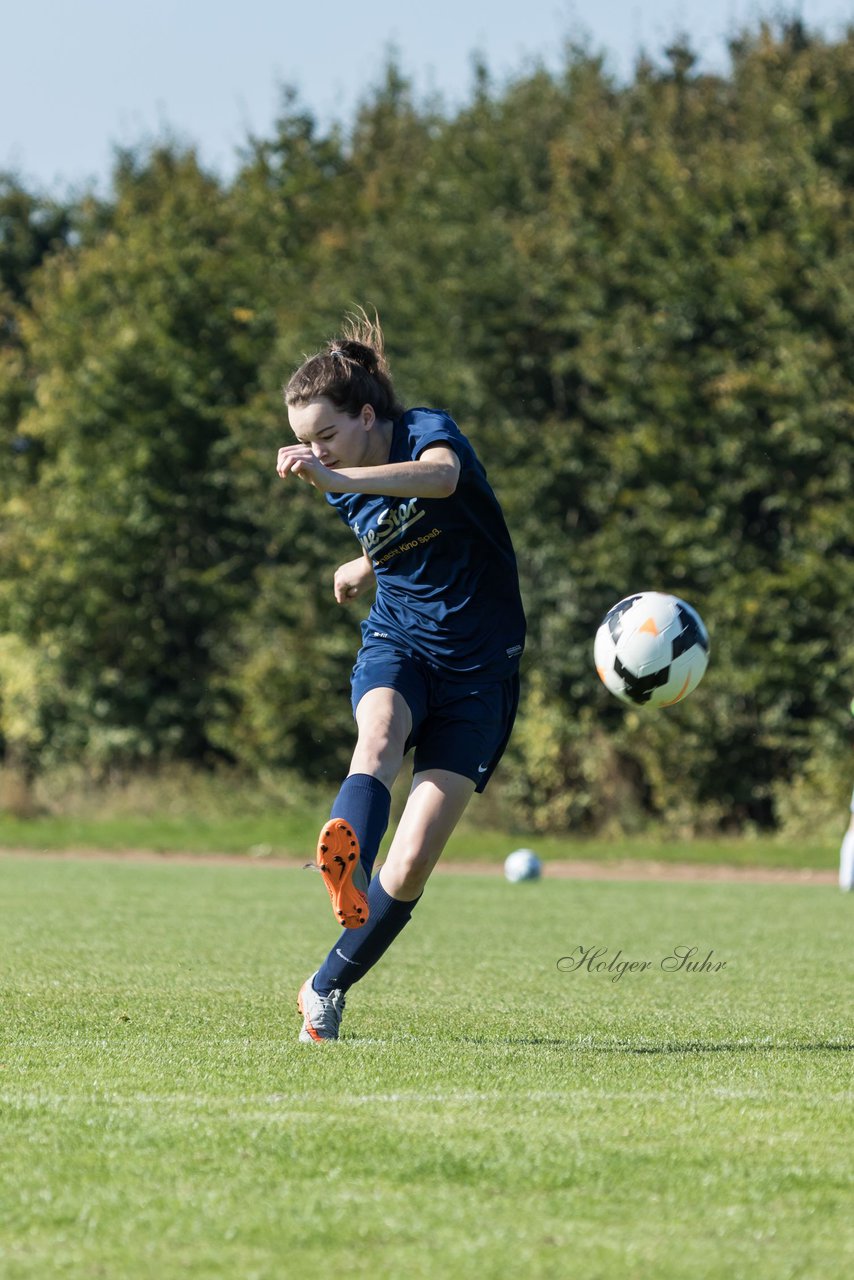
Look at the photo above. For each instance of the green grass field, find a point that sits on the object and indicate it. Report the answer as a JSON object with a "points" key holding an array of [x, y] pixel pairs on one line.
{"points": [[485, 1113]]}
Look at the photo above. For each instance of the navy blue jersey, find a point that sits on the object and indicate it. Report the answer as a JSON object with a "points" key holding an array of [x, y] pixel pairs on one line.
{"points": [[447, 582]]}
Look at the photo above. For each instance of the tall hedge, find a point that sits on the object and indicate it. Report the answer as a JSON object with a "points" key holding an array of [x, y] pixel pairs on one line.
{"points": [[635, 298]]}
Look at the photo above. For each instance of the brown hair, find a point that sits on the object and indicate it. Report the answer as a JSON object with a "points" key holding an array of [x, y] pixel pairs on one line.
{"points": [[351, 371]]}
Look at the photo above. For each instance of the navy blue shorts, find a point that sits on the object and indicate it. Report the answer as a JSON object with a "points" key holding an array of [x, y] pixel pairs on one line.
{"points": [[457, 724]]}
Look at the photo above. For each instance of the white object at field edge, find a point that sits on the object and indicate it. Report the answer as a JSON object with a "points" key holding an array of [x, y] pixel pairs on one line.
{"points": [[522, 864]]}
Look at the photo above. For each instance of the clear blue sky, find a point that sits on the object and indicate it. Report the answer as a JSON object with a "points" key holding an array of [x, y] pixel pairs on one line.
{"points": [[79, 76]]}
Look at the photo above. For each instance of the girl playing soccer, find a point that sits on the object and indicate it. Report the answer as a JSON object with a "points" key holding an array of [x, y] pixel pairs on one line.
{"points": [[439, 662]]}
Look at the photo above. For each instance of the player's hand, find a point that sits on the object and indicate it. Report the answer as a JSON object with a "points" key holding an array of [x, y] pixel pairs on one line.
{"points": [[298, 460], [353, 579]]}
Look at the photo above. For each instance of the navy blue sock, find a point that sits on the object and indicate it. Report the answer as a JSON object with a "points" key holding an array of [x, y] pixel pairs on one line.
{"points": [[365, 803], [358, 950]]}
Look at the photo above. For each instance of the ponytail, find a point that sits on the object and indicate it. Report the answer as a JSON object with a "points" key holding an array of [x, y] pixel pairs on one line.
{"points": [[351, 371]]}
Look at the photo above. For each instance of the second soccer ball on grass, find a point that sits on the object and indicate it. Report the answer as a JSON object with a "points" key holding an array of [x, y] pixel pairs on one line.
{"points": [[522, 864]]}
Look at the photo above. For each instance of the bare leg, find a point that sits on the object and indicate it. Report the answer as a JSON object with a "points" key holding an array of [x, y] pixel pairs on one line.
{"points": [[437, 801], [384, 723]]}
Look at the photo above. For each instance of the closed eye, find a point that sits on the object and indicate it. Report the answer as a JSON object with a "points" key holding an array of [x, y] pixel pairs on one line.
{"points": [[319, 439]]}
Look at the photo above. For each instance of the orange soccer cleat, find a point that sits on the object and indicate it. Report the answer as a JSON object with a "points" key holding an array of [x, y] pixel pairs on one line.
{"points": [[343, 874]]}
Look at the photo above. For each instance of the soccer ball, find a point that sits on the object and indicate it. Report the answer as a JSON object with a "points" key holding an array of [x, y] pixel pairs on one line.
{"points": [[523, 864], [651, 649]]}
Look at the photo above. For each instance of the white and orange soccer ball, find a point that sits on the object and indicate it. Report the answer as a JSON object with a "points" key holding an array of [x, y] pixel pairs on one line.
{"points": [[651, 649]]}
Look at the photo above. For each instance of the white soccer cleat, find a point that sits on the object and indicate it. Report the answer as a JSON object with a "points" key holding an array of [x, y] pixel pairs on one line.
{"points": [[321, 1014]]}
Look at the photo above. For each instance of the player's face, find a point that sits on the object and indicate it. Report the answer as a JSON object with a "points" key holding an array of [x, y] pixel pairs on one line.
{"points": [[336, 439]]}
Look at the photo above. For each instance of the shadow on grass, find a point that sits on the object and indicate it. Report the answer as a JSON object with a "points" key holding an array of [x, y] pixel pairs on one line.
{"points": [[688, 1047], [674, 1048]]}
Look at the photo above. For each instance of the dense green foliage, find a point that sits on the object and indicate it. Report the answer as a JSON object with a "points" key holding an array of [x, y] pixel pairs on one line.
{"points": [[636, 299]]}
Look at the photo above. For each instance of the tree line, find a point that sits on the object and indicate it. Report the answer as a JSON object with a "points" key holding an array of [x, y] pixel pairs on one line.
{"points": [[637, 299]]}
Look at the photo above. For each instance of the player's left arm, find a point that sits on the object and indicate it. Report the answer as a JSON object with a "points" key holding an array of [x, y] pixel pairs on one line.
{"points": [[434, 474], [353, 578]]}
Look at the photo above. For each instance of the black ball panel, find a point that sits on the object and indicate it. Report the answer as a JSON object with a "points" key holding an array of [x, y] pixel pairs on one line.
{"points": [[614, 617], [641, 688], [692, 633]]}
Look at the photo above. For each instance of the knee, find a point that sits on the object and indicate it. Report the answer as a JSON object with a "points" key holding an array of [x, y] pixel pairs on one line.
{"points": [[404, 875], [379, 750], [380, 757]]}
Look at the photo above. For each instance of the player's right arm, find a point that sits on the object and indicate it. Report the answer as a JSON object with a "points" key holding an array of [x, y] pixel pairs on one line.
{"points": [[433, 474], [353, 578]]}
